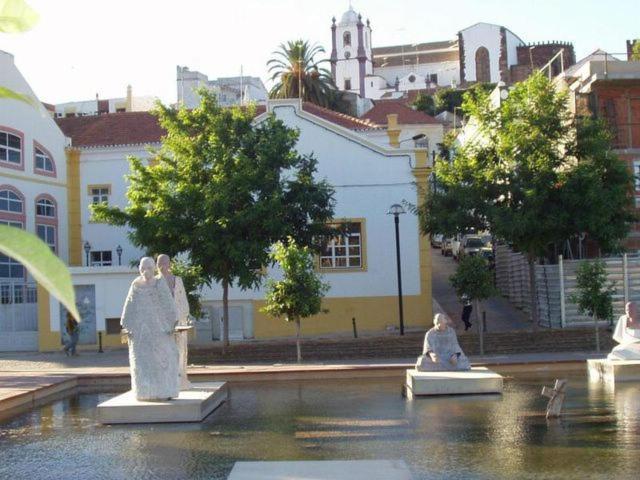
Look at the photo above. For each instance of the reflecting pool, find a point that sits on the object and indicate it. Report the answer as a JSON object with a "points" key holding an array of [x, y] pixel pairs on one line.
{"points": [[472, 437]]}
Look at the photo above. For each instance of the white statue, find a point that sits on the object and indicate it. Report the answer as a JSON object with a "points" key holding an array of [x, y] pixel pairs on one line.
{"points": [[627, 334], [182, 310], [149, 318], [441, 351]]}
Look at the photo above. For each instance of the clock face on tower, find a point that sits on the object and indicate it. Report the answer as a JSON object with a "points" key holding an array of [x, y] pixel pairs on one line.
{"points": [[347, 54]]}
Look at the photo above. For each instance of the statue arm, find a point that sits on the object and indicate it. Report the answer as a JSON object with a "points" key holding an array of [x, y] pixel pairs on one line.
{"points": [[128, 313], [168, 306]]}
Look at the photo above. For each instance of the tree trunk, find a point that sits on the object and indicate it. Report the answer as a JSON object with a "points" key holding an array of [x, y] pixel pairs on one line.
{"points": [[532, 292], [225, 316], [595, 324], [298, 349], [476, 308]]}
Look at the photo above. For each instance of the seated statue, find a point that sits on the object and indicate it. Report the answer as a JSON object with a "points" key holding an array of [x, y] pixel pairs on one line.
{"points": [[627, 334], [149, 318], [441, 351]]}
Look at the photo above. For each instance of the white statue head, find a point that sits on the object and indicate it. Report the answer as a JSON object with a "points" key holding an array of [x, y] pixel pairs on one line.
{"points": [[164, 264], [631, 310], [147, 268], [441, 322]]}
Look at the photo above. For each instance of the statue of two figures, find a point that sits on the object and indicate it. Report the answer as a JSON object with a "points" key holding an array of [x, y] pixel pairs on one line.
{"points": [[627, 334], [441, 351], [155, 318]]}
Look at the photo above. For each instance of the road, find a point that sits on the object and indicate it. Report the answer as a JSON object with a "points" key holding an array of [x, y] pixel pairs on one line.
{"points": [[501, 315]]}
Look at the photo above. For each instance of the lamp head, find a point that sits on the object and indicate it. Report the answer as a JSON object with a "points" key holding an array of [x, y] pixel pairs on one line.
{"points": [[396, 209]]}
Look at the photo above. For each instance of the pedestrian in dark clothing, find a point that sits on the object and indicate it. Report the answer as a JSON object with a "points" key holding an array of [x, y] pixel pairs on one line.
{"points": [[467, 308], [74, 334]]}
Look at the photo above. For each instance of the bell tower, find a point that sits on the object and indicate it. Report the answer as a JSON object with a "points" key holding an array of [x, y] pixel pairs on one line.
{"points": [[351, 52]]}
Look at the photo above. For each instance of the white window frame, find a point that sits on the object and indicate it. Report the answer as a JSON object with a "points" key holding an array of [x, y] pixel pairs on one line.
{"points": [[47, 233], [47, 163], [4, 145], [9, 200], [101, 261], [338, 253], [48, 207], [10, 262], [99, 194]]}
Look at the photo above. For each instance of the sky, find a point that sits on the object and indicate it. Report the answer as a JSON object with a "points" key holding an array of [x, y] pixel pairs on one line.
{"points": [[81, 48]]}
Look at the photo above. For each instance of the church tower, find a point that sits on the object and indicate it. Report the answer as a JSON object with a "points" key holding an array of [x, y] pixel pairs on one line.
{"points": [[351, 52]]}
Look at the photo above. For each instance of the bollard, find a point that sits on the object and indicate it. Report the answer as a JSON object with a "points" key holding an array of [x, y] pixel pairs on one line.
{"points": [[100, 343], [355, 329]]}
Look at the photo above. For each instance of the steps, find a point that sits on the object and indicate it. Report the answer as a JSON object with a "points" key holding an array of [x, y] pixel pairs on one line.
{"points": [[409, 345]]}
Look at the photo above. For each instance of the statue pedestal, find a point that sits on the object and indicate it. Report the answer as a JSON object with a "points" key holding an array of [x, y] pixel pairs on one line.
{"points": [[614, 370], [322, 470], [192, 405], [476, 380]]}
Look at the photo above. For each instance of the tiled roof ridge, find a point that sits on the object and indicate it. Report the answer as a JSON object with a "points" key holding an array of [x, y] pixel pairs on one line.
{"points": [[357, 123]]}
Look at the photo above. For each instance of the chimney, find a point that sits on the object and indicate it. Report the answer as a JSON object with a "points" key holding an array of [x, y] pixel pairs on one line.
{"points": [[393, 132], [129, 104]]}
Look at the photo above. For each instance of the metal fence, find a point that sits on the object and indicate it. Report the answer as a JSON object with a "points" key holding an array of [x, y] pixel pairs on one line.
{"points": [[556, 284]]}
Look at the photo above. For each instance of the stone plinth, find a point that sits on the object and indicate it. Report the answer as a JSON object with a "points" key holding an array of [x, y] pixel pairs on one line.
{"points": [[192, 405], [614, 370], [322, 470], [476, 380]]}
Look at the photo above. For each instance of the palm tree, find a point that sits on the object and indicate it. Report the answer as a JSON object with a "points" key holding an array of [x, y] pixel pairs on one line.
{"points": [[294, 68]]}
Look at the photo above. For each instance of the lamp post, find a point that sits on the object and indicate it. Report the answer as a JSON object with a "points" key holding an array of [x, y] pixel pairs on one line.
{"points": [[87, 249], [119, 252], [396, 210]]}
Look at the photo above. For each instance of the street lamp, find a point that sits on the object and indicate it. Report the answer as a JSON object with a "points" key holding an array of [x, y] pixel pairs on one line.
{"points": [[87, 249], [119, 252], [415, 138], [396, 210]]}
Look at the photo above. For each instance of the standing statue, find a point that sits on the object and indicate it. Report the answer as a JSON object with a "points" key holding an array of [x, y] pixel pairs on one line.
{"points": [[627, 334], [149, 318], [441, 351], [182, 309]]}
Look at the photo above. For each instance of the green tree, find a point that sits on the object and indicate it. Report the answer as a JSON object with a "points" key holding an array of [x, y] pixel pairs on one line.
{"points": [[473, 279], [595, 293], [425, 103], [299, 294], [36, 256], [529, 174], [635, 51], [220, 192], [294, 67]]}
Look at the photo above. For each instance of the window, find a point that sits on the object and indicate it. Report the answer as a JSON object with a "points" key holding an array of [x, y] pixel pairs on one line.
{"points": [[99, 193], [101, 258], [346, 39], [346, 250], [43, 162], [9, 268], [113, 326], [433, 78], [11, 202], [47, 233], [45, 208], [10, 148], [483, 68], [347, 84]]}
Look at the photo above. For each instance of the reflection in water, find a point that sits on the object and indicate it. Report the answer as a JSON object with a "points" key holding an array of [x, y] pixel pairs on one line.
{"points": [[466, 437]]}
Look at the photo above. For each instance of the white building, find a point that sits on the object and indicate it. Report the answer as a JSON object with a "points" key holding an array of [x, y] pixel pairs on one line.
{"points": [[483, 52], [99, 106], [33, 196], [368, 175], [229, 90]]}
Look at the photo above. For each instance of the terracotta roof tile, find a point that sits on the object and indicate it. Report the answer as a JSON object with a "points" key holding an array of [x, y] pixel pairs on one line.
{"points": [[126, 128], [406, 114], [342, 119]]}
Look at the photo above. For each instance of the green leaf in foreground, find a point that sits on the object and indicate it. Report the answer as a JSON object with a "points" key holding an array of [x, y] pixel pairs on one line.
{"points": [[16, 16], [36, 256], [10, 94]]}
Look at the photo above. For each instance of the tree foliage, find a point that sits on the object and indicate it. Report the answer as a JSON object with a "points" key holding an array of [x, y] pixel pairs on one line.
{"points": [[595, 292], [221, 191], [635, 51], [294, 66], [473, 279], [299, 294]]}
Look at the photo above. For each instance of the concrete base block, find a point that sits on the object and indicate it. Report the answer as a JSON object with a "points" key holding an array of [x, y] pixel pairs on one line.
{"points": [[322, 470], [476, 380], [192, 405], [614, 370]]}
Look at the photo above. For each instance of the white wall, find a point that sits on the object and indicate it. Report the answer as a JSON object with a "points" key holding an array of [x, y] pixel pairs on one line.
{"points": [[481, 35], [35, 124]]}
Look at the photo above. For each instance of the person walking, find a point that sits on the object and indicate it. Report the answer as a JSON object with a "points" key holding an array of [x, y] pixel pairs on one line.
{"points": [[467, 308], [73, 331]]}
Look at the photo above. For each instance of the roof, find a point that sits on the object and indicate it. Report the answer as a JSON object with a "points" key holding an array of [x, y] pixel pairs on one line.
{"points": [[342, 119], [406, 114], [111, 129], [140, 128], [596, 55]]}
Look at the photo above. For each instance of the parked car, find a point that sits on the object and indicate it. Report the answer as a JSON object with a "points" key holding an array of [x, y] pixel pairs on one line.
{"points": [[471, 245], [445, 249], [436, 240]]}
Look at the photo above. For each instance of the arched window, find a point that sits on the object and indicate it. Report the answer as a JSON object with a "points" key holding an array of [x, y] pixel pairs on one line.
{"points": [[43, 163], [483, 67], [12, 214], [47, 220], [346, 39], [11, 148]]}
